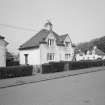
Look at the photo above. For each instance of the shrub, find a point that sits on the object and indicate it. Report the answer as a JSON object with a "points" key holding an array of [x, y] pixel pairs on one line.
{"points": [[53, 67], [15, 71], [85, 64], [70, 65], [12, 63]]}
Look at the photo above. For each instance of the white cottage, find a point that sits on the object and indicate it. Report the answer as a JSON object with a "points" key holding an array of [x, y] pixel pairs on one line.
{"points": [[46, 46], [80, 56], [3, 45], [93, 54]]}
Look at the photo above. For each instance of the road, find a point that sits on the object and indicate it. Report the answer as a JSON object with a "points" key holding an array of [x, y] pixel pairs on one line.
{"points": [[83, 89]]}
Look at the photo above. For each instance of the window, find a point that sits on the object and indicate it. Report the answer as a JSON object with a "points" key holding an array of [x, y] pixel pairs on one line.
{"points": [[67, 44], [67, 56], [50, 42], [50, 56], [93, 57]]}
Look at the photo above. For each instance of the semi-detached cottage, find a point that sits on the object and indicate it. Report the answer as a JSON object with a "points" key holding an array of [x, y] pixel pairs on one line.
{"points": [[46, 46]]}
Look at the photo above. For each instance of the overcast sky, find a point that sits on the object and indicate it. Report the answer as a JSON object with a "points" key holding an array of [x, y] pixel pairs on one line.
{"points": [[83, 20]]}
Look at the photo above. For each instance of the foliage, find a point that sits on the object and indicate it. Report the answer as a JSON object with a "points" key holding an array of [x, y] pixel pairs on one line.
{"points": [[70, 65], [12, 59], [99, 42], [15, 71], [53, 67]]}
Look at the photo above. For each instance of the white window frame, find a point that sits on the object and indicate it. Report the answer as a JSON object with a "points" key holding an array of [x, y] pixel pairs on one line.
{"points": [[67, 44], [67, 56], [50, 56], [50, 42]]}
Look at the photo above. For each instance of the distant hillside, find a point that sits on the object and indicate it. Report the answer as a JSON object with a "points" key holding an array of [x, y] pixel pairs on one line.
{"points": [[99, 42]]}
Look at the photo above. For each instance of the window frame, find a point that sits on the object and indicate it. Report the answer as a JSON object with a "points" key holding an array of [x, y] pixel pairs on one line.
{"points": [[50, 56], [67, 44], [67, 56], [50, 42]]}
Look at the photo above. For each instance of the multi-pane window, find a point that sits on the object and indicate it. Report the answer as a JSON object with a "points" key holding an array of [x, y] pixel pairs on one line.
{"points": [[50, 42], [50, 56], [67, 56], [67, 44]]}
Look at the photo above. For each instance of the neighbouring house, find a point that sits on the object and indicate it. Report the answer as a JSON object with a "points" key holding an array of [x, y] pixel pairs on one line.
{"points": [[80, 55], [93, 54], [46, 46], [3, 45]]}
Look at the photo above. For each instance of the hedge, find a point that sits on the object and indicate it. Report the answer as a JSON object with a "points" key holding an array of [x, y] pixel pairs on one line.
{"points": [[85, 64], [53, 67], [15, 71], [12, 63], [70, 65], [19, 71]]}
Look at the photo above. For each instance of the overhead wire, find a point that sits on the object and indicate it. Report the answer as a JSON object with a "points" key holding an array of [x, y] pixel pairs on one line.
{"points": [[16, 27]]}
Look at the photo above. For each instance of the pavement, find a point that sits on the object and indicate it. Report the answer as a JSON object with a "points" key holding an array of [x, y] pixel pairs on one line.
{"points": [[5, 83]]}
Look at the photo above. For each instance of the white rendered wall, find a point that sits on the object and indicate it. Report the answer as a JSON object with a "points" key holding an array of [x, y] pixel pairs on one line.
{"points": [[33, 56], [78, 57], [44, 50], [2, 54], [68, 50], [59, 53], [39, 56], [2, 57]]}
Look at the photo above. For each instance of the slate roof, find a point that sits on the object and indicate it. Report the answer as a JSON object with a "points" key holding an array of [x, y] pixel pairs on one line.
{"points": [[40, 37], [99, 52], [1, 37], [62, 38]]}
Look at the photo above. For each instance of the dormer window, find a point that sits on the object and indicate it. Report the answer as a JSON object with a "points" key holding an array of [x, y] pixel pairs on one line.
{"points": [[51, 42], [67, 44]]}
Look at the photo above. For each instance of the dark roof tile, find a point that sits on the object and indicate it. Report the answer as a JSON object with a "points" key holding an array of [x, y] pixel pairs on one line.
{"points": [[99, 52], [40, 38], [1, 37]]}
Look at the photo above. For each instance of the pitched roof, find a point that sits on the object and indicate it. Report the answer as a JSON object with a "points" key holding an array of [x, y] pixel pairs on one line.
{"points": [[62, 38], [40, 37], [1, 37], [99, 52], [35, 40]]}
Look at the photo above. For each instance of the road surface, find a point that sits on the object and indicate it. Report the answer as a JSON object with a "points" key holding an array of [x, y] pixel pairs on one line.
{"points": [[84, 89]]}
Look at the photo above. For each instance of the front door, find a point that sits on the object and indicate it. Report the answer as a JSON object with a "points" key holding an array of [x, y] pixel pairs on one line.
{"points": [[26, 59]]}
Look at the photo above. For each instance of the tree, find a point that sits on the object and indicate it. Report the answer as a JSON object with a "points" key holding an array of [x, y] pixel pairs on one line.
{"points": [[99, 42]]}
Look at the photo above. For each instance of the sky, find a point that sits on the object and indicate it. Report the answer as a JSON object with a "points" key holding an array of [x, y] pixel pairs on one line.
{"points": [[83, 20]]}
